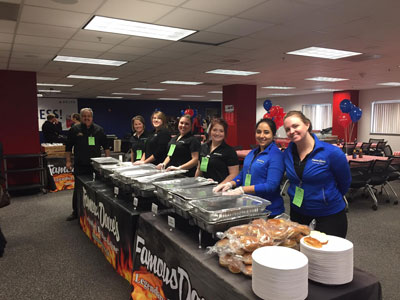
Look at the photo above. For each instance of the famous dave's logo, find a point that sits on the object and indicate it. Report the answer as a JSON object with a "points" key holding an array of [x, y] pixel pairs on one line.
{"points": [[57, 170], [149, 279], [106, 221]]}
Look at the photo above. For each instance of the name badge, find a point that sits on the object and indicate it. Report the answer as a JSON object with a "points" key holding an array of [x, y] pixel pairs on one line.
{"points": [[247, 181], [298, 196], [204, 164], [171, 149], [138, 154], [91, 141]]}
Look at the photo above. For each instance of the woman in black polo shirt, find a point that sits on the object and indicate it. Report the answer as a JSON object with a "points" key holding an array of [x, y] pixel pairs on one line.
{"points": [[138, 139], [183, 150], [218, 160], [156, 145]]}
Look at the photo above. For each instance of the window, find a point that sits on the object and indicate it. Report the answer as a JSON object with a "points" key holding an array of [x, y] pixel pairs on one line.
{"points": [[320, 115], [385, 117]]}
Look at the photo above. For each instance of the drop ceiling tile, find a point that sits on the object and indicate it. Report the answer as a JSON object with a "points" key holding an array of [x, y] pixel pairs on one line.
{"points": [[40, 41], [187, 47], [35, 49], [99, 37], [7, 26], [130, 50], [4, 53], [134, 10], [167, 2], [210, 37], [190, 19], [45, 30], [223, 7], [145, 42], [80, 6], [118, 56], [239, 26], [81, 45], [39, 15], [80, 53], [6, 38]]}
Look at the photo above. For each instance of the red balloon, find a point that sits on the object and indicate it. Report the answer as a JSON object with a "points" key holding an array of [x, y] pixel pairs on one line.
{"points": [[274, 111], [189, 112], [344, 120], [267, 116], [280, 110], [278, 121]]}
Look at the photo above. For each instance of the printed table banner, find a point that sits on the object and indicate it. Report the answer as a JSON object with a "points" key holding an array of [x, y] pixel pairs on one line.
{"points": [[109, 223], [63, 178]]}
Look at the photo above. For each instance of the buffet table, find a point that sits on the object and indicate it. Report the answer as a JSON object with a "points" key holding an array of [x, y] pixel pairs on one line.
{"points": [[169, 265], [110, 223]]}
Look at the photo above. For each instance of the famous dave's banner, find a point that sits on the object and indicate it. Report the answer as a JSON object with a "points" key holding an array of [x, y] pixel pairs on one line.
{"points": [[61, 108], [162, 270], [63, 177], [109, 226]]}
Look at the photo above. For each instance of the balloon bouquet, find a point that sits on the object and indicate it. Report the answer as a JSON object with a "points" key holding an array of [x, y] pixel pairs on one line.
{"points": [[190, 112], [276, 113], [350, 115]]}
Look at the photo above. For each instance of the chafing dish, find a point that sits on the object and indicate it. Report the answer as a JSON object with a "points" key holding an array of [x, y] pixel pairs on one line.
{"points": [[107, 170], [98, 161], [164, 188], [221, 208], [144, 186], [221, 226], [129, 175]]}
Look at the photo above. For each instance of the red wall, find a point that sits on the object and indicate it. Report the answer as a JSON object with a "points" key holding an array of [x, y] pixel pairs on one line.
{"points": [[18, 105], [243, 119], [337, 129]]}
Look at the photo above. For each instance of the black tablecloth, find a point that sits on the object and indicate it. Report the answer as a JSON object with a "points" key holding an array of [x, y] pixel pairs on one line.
{"points": [[162, 251]]}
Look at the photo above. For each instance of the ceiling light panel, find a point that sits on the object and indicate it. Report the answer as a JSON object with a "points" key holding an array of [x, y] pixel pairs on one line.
{"points": [[325, 90], [232, 72], [108, 97], [326, 79], [280, 94], [192, 96], [169, 99], [182, 82], [105, 24], [148, 89], [126, 94], [93, 61], [278, 87], [323, 53], [91, 77], [55, 84], [215, 92], [49, 91], [389, 83]]}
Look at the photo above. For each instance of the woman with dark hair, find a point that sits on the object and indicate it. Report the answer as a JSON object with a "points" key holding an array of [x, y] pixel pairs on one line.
{"points": [[319, 176], [138, 138], [183, 150], [262, 170], [156, 145], [218, 160]]}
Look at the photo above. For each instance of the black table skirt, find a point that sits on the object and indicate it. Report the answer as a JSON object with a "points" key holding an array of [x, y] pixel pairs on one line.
{"points": [[176, 251]]}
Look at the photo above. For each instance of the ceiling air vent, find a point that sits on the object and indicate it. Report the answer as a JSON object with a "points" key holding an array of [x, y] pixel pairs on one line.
{"points": [[9, 11]]}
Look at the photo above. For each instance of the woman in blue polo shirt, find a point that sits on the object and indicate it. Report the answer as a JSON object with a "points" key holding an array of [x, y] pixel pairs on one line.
{"points": [[319, 176], [218, 160], [262, 170], [183, 149]]}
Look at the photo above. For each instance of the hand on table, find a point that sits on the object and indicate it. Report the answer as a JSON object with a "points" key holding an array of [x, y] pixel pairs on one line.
{"points": [[222, 187], [235, 192]]}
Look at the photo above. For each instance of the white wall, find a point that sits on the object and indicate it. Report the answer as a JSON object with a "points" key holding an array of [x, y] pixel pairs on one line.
{"points": [[292, 103], [366, 97]]}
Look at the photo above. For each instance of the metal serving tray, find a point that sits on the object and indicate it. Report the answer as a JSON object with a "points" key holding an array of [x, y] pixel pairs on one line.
{"points": [[107, 170], [222, 208], [129, 176], [214, 227], [98, 161], [147, 182], [183, 196]]}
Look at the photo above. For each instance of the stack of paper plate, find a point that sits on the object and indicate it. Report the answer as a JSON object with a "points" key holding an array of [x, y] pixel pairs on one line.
{"points": [[331, 264], [280, 273]]}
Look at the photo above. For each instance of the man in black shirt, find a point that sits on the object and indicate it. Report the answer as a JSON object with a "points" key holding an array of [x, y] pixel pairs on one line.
{"points": [[87, 139], [52, 130]]}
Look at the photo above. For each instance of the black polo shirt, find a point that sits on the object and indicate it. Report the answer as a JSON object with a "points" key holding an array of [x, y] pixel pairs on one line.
{"points": [[299, 165], [139, 143], [220, 159], [183, 151], [157, 145], [87, 143]]}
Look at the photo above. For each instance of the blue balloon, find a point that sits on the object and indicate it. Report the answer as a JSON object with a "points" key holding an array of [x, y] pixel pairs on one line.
{"points": [[194, 113], [267, 104], [345, 106], [355, 114], [182, 112]]}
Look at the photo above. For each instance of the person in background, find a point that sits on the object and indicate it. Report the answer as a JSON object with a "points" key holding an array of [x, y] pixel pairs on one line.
{"points": [[76, 119], [262, 171], [86, 138], [319, 176], [183, 150], [157, 143], [196, 125], [138, 139], [218, 160], [52, 130]]}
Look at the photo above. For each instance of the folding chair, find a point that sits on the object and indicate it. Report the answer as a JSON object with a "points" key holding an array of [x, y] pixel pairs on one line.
{"points": [[379, 174], [379, 149], [393, 175], [365, 148], [361, 177]]}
